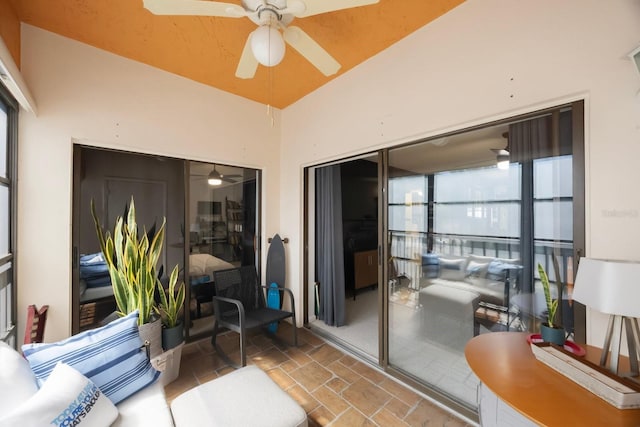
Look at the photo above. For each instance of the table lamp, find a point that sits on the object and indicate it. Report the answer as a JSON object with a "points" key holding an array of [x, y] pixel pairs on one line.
{"points": [[613, 287]]}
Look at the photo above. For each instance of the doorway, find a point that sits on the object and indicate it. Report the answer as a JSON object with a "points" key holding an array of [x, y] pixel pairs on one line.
{"points": [[346, 254]]}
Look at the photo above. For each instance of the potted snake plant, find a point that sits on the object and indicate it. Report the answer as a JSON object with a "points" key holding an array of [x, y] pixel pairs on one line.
{"points": [[131, 260], [551, 330], [170, 308]]}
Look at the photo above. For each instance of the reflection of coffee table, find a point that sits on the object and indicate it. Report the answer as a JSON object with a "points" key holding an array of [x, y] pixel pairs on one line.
{"points": [[448, 315]]}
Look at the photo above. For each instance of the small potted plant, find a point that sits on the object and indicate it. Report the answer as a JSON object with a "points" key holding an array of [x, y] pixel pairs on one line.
{"points": [[169, 309], [551, 330]]}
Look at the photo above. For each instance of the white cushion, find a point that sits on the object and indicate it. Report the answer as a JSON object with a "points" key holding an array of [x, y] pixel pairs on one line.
{"points": [[452, 267], [67, 398], [111, 356], [17, 382], [148, 407], [477, 266], [245, 397]]}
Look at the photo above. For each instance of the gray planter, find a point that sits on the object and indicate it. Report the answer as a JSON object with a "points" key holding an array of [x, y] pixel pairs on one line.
{"points": [[152, 332]]}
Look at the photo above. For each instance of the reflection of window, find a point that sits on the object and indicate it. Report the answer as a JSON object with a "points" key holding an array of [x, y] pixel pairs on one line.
{"points": [[8, 132]]}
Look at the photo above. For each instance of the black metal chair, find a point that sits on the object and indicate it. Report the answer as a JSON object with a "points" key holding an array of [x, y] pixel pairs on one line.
{"points": [[239, 305]]}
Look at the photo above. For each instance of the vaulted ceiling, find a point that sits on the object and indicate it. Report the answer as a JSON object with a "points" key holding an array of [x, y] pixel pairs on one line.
{"points": [[207, 49]]}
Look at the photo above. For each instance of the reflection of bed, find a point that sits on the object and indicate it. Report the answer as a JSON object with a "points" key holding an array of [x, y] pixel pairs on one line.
{"points": [[201, 268], [95, 283], [90, 294]]}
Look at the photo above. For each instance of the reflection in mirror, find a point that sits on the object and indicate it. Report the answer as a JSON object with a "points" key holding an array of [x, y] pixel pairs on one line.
{"points": [[470, 216], [222, 230], [111, 178]]}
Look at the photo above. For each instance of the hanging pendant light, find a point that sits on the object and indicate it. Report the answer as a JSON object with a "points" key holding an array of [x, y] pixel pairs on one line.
{"points": [[502, 160], [214, 177], [503, 155]]}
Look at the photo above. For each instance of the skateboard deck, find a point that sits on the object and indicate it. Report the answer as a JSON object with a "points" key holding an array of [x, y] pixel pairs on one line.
{"points": [[273, 301], [276, 264]]}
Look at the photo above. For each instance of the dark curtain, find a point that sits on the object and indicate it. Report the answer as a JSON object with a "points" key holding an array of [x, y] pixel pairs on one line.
{"points": [[538, 138], [546, 136], [329, 247]]}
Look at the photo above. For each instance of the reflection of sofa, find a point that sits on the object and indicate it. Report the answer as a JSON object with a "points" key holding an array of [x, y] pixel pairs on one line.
{"points": [[493, 279], [454, 287]]}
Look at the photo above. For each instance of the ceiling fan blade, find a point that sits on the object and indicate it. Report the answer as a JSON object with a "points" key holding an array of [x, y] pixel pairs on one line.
{"points": [[194, 7], [315, 7], [311, 50], [248, 63], [294, 7]]}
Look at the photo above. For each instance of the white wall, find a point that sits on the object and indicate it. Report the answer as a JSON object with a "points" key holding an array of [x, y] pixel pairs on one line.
{"points": [[485, 60], [102, 99]]}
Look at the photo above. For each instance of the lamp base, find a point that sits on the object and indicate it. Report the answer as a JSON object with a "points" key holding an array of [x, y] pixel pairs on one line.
{"points": [[613, 340]]}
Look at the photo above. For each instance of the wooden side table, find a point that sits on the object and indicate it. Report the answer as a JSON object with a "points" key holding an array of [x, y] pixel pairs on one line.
{"points": [[504, 363]]}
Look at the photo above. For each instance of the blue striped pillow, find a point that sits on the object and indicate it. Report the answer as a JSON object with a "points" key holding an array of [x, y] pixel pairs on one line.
{"points": [[110, 356]]}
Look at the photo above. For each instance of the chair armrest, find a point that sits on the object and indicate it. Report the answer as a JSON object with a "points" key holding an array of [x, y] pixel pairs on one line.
{"points": [[286, 291], [235, 302]]}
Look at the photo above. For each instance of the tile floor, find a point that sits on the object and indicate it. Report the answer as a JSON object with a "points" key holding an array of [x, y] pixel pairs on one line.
{"points": [[334, 388]]}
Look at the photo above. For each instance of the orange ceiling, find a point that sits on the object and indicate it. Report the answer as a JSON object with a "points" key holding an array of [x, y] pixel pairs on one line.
{"points": [[207, 49]]}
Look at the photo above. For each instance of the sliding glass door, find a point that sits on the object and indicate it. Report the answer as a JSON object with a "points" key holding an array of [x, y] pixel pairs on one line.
{"points": [[467, 234], [463, 224]]}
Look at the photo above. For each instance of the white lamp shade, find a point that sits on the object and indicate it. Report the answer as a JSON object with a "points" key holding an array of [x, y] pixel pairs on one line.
{"points": [[267, 45], [611, 287]]}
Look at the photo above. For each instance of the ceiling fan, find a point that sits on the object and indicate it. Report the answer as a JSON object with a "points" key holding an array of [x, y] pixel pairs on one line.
{"points": [[216, 178], [266, 45]]}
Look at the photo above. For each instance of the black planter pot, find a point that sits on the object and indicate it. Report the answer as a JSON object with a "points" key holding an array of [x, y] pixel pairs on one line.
{"points": [[172, 337], [552, 335]]}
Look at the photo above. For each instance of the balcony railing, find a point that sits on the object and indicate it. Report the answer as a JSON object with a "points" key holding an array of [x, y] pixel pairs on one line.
{"points": [[407, 248]]}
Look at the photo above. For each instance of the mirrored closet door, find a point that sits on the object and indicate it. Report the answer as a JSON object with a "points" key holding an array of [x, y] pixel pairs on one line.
{"points": [[212, 223]]}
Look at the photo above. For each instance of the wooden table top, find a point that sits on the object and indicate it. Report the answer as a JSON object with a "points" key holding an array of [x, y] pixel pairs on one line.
{"points": [[503, 361]]}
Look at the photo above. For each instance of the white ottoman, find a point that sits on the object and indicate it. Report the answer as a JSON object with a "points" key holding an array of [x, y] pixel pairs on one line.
{"points": [[245, 397], [448, 315]]}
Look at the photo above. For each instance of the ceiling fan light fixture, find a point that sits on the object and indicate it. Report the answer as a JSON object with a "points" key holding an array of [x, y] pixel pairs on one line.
{"points": [[267, 45], [503, 161], [214, 178]]}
